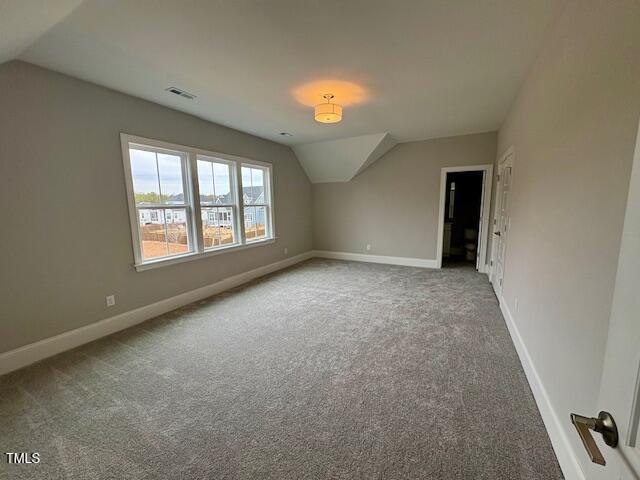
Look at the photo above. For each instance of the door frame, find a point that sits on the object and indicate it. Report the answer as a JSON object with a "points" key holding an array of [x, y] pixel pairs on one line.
{"points": [[506, 159], [485, 211]]}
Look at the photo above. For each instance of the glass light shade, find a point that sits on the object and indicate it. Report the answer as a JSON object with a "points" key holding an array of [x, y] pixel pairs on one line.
{"points": [[328, 113]]}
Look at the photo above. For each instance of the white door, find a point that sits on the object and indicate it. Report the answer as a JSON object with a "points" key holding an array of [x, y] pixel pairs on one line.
{"points": [[480, 246], [501, 223], [620, 384]]}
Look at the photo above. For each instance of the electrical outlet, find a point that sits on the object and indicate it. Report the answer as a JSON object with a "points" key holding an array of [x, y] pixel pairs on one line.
{"points": [[111, 300], [286, 251], [368, 246]]}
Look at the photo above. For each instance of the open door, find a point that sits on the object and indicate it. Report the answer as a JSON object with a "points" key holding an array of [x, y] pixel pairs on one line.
{"points": [[501, 222], [620, 385]]}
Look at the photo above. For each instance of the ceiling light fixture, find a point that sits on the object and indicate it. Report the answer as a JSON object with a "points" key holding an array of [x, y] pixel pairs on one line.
{"points": [[328, 112]]}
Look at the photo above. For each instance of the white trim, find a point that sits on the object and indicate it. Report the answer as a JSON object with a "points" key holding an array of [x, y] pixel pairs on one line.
{"points": [[193, 207], [199, 206], [267, 168], [212, 252], [28, 354], [483, 233], [34, 352], [567, 456], [360, 257]]}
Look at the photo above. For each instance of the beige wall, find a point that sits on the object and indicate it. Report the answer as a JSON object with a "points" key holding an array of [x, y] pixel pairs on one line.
{"points": [[65, 238], [393, 205], [573, 127]]}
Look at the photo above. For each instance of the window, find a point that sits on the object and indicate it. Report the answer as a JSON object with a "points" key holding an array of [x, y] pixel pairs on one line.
{"points": [[185, 202], [256, 201], [162, 208], [217, 202]]}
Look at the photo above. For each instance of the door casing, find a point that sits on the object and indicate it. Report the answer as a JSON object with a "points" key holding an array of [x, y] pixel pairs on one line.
{"points": [[485, 211]]}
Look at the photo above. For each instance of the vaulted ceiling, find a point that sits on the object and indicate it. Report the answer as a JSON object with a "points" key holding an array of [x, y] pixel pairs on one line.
{"points": [[414, 69], [24, 22], [341, 160]]}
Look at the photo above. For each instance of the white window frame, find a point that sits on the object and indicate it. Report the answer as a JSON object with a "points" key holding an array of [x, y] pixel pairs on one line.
{"points": [[134, 209], [235, 206], [268, 195], [192, 201]]}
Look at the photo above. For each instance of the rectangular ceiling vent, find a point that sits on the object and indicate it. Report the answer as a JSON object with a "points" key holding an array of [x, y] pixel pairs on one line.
{"points": [[181, 93]]}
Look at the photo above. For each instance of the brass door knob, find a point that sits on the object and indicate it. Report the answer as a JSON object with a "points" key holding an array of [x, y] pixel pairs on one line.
{"points": [[604, 425]]}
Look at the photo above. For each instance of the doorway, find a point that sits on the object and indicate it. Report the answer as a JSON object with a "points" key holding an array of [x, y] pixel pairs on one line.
{"points": [[463, 201], [465, 194]]}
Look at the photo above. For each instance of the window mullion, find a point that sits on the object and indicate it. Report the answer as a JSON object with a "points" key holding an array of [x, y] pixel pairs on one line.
{"points": [[268, 196], [234, 222], [196, 209], [164, 215], [267, 222], [253, 205], [166, 231], [159, 183], [172, 206], [215, 210], [240, 201]]}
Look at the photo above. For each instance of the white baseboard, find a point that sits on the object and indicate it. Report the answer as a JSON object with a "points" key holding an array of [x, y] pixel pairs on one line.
{"points": [[34, 352], [567, 456], [360, 257]]}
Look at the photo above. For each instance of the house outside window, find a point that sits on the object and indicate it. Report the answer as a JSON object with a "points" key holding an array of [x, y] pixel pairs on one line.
{"points": [[218, 201], [256, 188]]}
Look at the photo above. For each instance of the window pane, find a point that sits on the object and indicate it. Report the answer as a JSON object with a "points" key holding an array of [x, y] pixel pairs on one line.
{"points": [[177, 231], [257, 181], [254, 193], [247, 186], [205, 181], [222, 182], [261, 222], [144, 171], [215, 183], [255, 223], [152, 233], [163, 232], [171, 186], [217, 226], [253, 185], [250, 222]]}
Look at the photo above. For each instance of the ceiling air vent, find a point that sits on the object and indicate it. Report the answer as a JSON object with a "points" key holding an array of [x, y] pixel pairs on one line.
{"points": [[182, 93]]}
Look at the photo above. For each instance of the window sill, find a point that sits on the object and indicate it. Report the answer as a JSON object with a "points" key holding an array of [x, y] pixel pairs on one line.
{"points": [[141, 267]]}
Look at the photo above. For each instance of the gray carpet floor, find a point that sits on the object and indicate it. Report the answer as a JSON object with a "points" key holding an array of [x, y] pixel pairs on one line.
{"points": [[326, 370]]}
